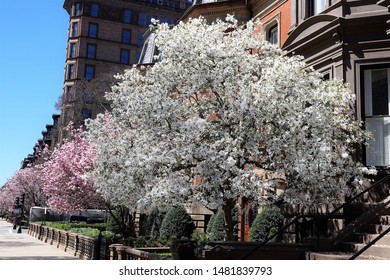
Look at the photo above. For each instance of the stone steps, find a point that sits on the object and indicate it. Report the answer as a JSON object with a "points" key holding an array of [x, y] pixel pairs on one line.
{"points": [[379, 251], [367, 237], [338, 256], [376, 250]]}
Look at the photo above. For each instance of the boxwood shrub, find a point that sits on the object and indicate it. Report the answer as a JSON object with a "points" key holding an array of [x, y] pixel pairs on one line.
{"points": [[266, 223], [215, 229], [177, 223]]}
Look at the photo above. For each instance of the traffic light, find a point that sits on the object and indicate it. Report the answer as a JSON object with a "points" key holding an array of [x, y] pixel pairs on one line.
{"points": [[17, 201]]}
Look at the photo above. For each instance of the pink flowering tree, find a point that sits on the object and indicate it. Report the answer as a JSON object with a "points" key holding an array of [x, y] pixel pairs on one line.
{"points": [[65, 176], [7, 199], [25, 181]]}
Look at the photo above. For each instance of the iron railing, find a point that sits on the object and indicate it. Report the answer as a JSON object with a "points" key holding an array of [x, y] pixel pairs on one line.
{"points": [[318, 220]]}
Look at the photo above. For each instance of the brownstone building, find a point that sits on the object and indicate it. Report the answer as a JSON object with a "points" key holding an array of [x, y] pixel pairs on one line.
{"points": [[348, 40], [104, 38], [274, 15]]}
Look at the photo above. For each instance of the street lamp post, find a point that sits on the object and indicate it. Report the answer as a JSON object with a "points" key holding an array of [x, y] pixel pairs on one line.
{"points": [[21, 214], [16, 211]]}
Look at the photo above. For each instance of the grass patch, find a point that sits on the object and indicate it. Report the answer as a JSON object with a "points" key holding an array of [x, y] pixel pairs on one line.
{"points": [[82, 228]]}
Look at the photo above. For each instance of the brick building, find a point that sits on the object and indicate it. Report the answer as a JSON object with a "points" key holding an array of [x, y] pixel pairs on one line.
{"points": [[104, 38]]}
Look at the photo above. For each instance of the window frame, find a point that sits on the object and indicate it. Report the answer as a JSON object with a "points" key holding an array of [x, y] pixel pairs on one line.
{"points": [[377, 152], [271, 35], [75, 29], [90, 30], [72, 50], [141, 39], [94, 46], [71, 72], [69, 93], [313, 9], [272, 23], [142, 19], [122, 51], [123, 37], [77, 9], [86, 113], [93, 12], [89, 66], [130, 17]]}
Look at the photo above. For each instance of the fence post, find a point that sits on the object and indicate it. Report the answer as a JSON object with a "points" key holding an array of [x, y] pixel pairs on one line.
{"points": [[113, 254]]}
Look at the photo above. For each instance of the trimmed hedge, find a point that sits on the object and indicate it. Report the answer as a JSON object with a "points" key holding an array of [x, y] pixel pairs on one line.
{"points": [[216, 227], [177, 223], [265, 224]]}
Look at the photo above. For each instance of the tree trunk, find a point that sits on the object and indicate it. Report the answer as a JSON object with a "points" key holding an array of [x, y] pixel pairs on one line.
{"points": [[228, 212]]}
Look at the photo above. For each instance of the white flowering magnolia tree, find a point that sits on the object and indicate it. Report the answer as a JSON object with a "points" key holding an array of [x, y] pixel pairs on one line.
{"points": [[223, 115]]}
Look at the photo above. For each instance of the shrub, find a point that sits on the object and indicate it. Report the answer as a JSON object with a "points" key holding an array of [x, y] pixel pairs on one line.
{"points": [[151, 224], [90, 232], [265, 224], [60, 225], [199, 236], [177, 223], [216, 227]]}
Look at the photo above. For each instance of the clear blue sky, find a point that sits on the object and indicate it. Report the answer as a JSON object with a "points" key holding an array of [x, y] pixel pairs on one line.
{"points": [[32, 58]]}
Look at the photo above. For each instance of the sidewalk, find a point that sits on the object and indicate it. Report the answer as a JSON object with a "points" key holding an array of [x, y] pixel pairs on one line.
{"points": [[22, 246]]}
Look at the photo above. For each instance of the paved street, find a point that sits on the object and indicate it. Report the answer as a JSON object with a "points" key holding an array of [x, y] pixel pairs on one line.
{"points": [[22, 246]]}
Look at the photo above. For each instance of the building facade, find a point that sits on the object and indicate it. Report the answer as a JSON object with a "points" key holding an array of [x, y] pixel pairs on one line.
{"points": [[348, 40], [104, 38]]}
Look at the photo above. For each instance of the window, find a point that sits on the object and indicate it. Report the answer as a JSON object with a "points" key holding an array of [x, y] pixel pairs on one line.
{"points": [[126, 36], [140, 39], [148, 19], [75, 27], [94, 10], [70, 71], [377, 117], [141, 19], [86, 114], [273, 35], [125, 56], [89, 72], [76, 9], [68, 95], [92, 30], [91, 51], [317, 6], [127, 16], [67, 116], [72, 50]]}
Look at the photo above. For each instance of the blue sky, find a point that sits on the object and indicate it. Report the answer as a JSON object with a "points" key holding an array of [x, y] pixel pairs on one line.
{"points": [[32, 59]]}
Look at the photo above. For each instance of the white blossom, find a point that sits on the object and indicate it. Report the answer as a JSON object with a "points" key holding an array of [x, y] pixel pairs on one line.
{"points": [[217, 105]]}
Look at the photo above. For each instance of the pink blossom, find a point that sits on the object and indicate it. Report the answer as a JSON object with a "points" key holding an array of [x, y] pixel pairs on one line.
{"points": [[65, 176]]}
